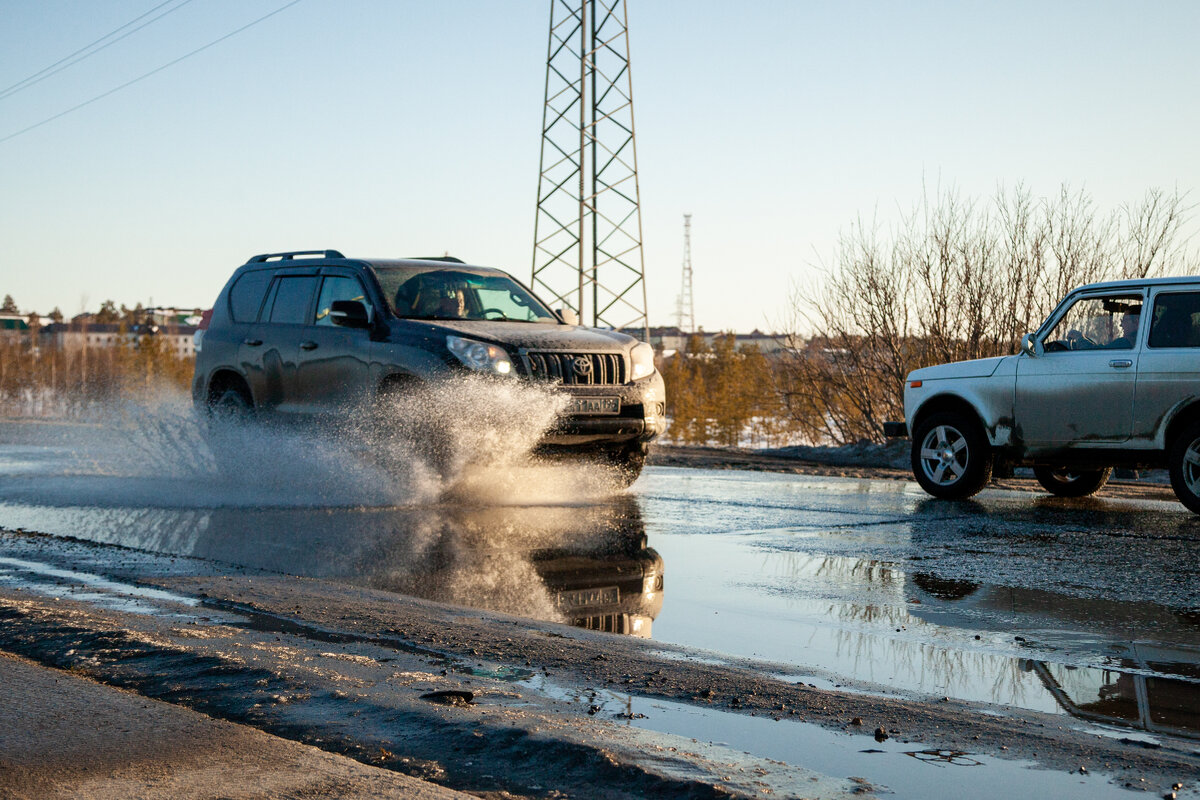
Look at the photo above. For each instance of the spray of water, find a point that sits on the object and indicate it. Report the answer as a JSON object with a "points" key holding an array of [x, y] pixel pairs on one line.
{"points": [[468, 441]]}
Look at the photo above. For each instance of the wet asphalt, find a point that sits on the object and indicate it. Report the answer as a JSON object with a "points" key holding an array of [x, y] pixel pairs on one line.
{"points": [[1086, 609], [1015, 598]]}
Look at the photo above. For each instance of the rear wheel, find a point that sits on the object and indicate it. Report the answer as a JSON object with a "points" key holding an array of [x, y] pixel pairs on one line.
{"points": [[1066, 482], [1183, 460], [229, 411], [951, 458]]}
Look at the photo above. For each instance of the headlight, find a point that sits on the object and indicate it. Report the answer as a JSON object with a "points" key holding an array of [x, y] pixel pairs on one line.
{"points": [[480, 355], [643, 361]]}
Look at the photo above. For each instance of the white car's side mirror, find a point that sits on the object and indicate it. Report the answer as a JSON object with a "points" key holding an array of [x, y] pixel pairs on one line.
{"points": [[568, 316], [1030, 346]]}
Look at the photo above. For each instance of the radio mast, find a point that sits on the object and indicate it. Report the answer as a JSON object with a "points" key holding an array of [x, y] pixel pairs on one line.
{"points": [[587, 241], [685, 307]]}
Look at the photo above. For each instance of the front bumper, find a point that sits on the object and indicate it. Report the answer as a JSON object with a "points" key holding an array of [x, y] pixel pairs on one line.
{"points": [[895, 430], [642, 416]]}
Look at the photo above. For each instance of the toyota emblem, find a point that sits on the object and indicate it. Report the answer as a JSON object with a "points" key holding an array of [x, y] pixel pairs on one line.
{"points": [[582, 365]]}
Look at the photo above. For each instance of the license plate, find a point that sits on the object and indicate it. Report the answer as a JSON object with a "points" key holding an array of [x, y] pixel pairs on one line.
{"points": [[604, 596], [594, 405]]}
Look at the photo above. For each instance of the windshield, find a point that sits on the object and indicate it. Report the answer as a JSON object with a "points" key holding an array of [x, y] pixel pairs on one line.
{"points": [[445, 293]]}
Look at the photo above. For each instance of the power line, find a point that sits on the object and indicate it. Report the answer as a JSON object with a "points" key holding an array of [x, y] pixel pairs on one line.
{"points": [[148, 74], [41, 75]]}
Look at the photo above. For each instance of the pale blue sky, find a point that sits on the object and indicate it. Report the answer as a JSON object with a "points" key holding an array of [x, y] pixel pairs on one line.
{"points": [[409, 128]]}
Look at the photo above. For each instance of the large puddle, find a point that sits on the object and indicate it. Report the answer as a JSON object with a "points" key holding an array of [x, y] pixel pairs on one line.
{"points": [[1086, 608]]}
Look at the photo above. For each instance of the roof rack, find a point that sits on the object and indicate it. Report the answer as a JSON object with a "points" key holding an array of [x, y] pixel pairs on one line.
{"points": [[290, 256], [451, 259]]}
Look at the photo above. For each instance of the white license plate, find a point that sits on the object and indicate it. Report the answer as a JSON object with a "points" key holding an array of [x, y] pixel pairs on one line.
{"points": [[594, 405]]}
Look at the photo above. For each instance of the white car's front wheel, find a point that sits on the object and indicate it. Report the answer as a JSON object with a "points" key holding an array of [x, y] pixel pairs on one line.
{"points": [[951, 457]]}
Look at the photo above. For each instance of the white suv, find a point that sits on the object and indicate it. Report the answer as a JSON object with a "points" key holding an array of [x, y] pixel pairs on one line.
{"points": [[1111, 378]]}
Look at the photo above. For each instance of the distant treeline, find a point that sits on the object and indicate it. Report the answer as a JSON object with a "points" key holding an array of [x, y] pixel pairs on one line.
{"points": [[722, 395], [49, 381]]}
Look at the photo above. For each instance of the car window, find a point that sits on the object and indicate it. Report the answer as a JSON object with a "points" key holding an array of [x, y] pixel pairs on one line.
{"points": [[1176, 320], [337, 287], [246, 296], [292, 296], [1092, 323]]}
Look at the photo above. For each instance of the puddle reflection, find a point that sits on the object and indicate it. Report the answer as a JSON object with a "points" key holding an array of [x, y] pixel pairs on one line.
{"points": [[589, 566]]}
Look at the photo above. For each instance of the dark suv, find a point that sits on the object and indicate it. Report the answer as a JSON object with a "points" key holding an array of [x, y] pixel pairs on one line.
{"points": [[311, 333]]}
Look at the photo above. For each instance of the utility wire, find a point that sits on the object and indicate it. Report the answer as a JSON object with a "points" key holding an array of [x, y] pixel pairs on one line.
{"points": [[148, 74], [70, 60]]}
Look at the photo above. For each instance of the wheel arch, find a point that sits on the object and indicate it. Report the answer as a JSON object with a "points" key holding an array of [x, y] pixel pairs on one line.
{"points": [[224, 379], [947, 402], [1185, 416], [396, 382]]}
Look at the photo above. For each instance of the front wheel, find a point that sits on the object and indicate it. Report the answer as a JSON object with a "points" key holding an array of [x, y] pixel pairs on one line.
{"points": [[626, 464], [1065, 482], [951, 458], [1184, 462]]}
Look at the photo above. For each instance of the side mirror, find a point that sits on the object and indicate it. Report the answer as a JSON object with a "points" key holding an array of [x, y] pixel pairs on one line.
{"points": [[568, 316], [1030, 345], [349, 314]]}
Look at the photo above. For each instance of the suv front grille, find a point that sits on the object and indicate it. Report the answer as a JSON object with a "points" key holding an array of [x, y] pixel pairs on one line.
{"points": [[577, 369]]}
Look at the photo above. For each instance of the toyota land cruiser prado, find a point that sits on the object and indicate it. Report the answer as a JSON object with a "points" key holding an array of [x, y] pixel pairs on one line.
{"points": [[308, 333]]}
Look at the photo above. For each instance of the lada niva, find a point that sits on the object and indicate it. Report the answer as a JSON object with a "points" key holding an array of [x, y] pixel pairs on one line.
{"points": [[1110, 379]]}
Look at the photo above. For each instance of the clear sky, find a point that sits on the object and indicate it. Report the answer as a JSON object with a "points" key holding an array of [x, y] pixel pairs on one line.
{"points": [[409, 127]]}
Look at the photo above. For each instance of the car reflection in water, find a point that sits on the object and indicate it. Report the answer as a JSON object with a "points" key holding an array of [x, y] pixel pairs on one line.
{"points": [[1151, 686], [1132, 662], [586, 565], [1138, 698]]}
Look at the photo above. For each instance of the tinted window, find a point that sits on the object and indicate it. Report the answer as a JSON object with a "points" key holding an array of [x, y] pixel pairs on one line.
{"points": [[246, 296], [338, 288], [292, 296], [1176, 320]]}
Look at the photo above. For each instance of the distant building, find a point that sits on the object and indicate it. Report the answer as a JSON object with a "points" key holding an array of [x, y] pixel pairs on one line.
{"points": [[671, 340], [79, 333], [13, 325]]}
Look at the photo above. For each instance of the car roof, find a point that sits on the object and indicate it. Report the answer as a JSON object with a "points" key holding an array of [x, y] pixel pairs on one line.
{"points": [[1138, 283], [313, 258]]}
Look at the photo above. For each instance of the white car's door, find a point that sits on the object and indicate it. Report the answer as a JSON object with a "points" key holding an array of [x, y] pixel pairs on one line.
{"points": [[1080, 388]]}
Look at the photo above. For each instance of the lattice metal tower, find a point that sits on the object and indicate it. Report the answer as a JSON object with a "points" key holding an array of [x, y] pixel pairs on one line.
{"points": [[587, 251], [685, 306]]}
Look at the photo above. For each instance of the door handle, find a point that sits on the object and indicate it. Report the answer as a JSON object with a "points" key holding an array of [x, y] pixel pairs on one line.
{"points": [[308, 345], [252, 342], [1120, 363]]}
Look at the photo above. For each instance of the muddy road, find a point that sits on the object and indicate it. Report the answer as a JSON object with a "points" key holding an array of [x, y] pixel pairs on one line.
{"points": [[527, 631]]}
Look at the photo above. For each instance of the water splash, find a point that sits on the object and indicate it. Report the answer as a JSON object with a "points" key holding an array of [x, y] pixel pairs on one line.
{"points": [[466, 441]]}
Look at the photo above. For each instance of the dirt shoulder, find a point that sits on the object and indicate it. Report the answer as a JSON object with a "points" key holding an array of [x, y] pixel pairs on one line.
{"points": [[66, 736]]}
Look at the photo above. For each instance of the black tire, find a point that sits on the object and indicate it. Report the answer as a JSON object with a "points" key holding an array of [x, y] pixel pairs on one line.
{"points": [[1065, 482], [623, 464], [951, 457], [629, 463], [229, 411], [1183, 460]]}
